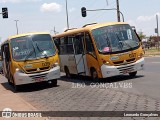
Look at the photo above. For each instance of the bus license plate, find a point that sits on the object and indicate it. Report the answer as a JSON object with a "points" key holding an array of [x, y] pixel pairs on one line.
{"points": [[39, 79], [126, 71]]}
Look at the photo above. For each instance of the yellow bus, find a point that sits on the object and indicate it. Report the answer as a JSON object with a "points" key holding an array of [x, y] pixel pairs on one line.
{"points": [[100, 50], [29, 58]]}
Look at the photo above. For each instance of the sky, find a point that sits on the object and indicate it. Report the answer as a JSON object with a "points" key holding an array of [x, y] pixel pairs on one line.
{"points": [[45, 15]]}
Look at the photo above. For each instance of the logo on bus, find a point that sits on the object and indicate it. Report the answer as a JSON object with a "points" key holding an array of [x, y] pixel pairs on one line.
{"points": [[38, 69], [125, 62]]}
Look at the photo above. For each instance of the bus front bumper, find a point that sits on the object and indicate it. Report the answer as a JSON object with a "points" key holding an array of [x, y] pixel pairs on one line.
{"points": [[109, 71], [23, 78]]}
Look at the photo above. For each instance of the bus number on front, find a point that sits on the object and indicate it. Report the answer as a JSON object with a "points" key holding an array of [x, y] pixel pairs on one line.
{"points": [[46, 64], [132, 55]]}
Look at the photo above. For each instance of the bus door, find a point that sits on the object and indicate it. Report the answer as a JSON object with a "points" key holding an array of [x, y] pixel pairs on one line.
{"points": [[79, 54], [6, 60], [91, 58]]}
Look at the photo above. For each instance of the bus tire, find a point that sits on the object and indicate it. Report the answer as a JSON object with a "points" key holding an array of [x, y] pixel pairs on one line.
{"points": [[133, 74], [94, 74], [16, 88], [10, 78], [54, 82], [68, 75], [9, 82]]}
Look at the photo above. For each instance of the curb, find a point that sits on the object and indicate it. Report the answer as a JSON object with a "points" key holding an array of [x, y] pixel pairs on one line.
{"points": [[11, 100]]}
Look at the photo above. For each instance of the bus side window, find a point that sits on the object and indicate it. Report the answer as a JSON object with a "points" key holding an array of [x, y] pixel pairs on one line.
{"points": [[7, 52], [70, 49], [57, 43], [2, 53], [89, 44], [78, 44], [62, 47]]}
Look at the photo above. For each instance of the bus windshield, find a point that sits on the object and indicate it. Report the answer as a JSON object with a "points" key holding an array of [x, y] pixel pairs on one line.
{"points": [[32, 47], [115, 38]]}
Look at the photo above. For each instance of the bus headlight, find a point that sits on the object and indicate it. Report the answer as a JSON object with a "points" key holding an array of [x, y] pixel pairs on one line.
{"points": [[140, 55], [55, 64], [19, 70], [105, 62]]}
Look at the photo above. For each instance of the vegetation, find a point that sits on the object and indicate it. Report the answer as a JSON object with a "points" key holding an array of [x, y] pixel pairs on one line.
{"points": [[152, 51]]}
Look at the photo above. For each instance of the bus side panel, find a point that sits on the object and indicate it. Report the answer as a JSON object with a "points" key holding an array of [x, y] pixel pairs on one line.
{"points": [[87, 72], [69, 61], [92, 62]]}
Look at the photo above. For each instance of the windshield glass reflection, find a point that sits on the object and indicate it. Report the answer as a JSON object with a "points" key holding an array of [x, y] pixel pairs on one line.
{"points": [[115, 38], [32, 47]]}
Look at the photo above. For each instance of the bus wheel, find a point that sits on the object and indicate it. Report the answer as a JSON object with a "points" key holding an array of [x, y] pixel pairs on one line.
{"points": [[16, 87], [94, 74], [133, 74], [10, 78], [9, 82], [53, 82], [68, 75]]}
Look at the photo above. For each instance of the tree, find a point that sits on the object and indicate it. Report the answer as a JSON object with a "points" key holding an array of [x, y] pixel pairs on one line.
{"points": [[141, 35]]}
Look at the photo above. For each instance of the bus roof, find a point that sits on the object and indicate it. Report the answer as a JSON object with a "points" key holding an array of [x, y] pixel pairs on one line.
{"points": [[88, 27], [25, 34], [21, 35]]}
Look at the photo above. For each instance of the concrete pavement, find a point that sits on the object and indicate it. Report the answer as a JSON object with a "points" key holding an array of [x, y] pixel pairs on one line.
{"points": [[9, 99]]}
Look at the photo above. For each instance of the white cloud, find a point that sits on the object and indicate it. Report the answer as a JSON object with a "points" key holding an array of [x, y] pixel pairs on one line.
{"points": [[72, 10], [131, 22], [147, 18], [51, 7], [145, 24], [17, 1]]}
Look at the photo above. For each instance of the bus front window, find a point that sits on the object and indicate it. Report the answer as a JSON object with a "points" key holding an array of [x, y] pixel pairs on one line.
{"points": [[32, 47], [115, 38], [44, 45]]}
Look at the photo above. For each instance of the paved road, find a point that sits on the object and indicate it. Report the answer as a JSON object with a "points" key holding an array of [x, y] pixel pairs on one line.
{"points": [[120, 93], [147, 82]]}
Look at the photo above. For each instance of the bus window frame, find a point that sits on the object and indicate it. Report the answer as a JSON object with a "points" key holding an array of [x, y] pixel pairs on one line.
{"points": [[93, 52]]}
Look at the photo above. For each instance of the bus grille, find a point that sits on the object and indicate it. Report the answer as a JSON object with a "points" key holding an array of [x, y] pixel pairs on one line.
{"points": [[39, 76], [126, 69], [35, 70], [123, 61], [131, 60]]}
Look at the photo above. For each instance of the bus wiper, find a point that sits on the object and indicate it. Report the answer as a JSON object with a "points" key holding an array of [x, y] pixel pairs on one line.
{"points": [[30, 52], [29, 55], [40, 50], [127, 44], [108, 42], [120, 41]]}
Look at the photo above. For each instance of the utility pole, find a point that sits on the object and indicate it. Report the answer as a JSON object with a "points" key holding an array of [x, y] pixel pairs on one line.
{"points": [[55, 32], [107, 2], [16, 25], [67, 14], [157, 31], [118, 13]]}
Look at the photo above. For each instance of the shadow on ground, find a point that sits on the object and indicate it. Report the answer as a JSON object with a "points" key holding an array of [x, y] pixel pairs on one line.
{"points": [[28, 87], [74, 79], [88, 80]]}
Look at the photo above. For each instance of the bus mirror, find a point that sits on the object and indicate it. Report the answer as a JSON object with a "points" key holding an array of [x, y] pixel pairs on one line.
{"points": [[134, 29]]}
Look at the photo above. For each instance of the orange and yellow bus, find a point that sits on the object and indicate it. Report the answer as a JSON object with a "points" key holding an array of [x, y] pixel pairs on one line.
{"points": [[29, 58], [100, 50]]}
